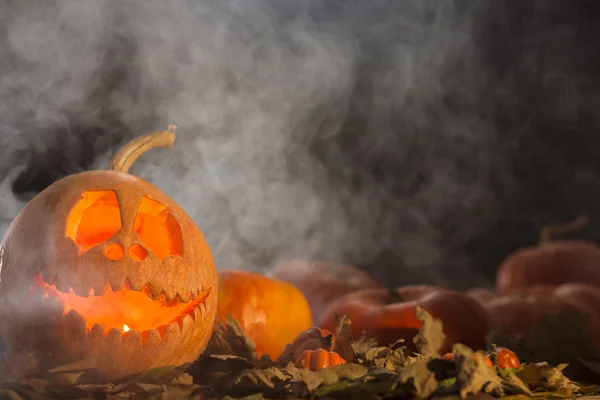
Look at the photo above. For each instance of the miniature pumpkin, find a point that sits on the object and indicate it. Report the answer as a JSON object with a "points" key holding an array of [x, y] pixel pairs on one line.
{"points": [[391, 315], [319, 359], [519, 313], [323, 282], [271, 312], [506, 358], [312, 339], [552, 263], [103, 265]]}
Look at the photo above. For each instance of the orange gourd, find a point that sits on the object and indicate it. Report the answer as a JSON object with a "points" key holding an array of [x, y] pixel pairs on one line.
{"points": [[319, 359], [105, 266], [551, 264], [312, 339], [388, 316], [506, 358], [271, 312], [522, 311]]}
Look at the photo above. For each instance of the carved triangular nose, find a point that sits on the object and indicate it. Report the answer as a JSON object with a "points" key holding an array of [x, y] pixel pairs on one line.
{"points": [[126, 239]]}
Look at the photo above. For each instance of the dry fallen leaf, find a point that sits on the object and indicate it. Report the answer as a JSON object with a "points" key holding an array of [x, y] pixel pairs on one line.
{"points": [[430, 338], [343, 335], [541, 376], [361, 346], [269, 381], [327, 376], [513, 384], [473, 374], [230, 338], [420, 376]]}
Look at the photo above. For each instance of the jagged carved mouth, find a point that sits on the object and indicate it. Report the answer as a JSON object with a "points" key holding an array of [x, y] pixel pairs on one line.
{"points": [[125, 309]]}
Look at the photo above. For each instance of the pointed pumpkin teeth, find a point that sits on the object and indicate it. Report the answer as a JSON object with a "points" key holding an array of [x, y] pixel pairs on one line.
{"points": [[97, 331], [148, 292], [161, 331], [196, 314], [144, 337], [126, 285], [180, 323], [91, 293]]}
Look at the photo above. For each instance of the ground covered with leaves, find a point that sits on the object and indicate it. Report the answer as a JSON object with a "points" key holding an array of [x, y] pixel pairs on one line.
{"points": [[230, 369]]}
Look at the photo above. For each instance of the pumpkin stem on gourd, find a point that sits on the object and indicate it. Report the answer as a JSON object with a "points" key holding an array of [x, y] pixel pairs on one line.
{"points": [[135, 148], [548, 231]]}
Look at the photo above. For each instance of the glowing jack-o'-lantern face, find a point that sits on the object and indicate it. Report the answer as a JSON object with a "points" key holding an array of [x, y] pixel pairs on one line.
{"points": [[103, 264]]}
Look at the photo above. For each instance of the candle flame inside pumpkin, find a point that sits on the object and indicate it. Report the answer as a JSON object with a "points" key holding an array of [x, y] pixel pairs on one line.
{"points": [[124, 309]]}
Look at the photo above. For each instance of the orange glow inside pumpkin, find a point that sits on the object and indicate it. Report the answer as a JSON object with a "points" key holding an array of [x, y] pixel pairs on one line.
{"points": [[94, 219], [157, 229], [124, 308]]}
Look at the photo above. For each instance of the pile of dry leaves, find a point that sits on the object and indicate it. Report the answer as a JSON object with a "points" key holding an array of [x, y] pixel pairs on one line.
{"points": [[230, 369]]}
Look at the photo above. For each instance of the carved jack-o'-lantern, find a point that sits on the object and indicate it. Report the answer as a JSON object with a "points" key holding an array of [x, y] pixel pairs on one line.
{"points": [[103, 265]]}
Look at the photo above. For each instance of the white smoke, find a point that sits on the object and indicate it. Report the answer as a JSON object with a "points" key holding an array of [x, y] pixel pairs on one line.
{"points": [[285, 110]]}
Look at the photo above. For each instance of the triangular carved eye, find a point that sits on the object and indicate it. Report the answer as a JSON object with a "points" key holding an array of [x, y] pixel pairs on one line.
{"points": [[158, 229], [94, 219]]}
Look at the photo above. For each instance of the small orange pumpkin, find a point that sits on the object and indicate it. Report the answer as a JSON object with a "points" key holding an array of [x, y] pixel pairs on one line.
{"points": [[506, 358], [103, 265], [319, 359], [312, 339], [271, 312]]}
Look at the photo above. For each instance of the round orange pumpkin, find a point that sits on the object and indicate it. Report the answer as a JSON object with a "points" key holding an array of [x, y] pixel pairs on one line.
{"points": [[271, 312], [323, 282], [551, 263], [521, 312], [388, 316], [105, 266], [319, 359]]}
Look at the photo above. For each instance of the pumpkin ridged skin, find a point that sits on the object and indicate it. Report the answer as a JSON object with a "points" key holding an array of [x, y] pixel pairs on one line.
{"points": [[312, 339], [552, 263], [521, 312], [35, 245], [271, 312], [323, 282], [319, 359], [388, 316]]}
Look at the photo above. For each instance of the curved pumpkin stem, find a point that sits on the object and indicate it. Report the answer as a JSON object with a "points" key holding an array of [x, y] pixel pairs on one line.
{"points": [[134, 149], [547, 232]]}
